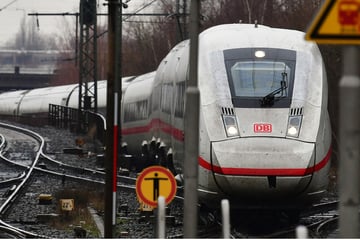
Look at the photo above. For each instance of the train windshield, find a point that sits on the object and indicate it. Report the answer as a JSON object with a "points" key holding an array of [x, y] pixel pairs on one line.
{"points": [[257, 79], [254, 74]]}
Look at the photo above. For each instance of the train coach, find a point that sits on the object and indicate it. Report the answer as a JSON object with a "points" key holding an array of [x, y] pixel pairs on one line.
{"points": [[35, 102]]}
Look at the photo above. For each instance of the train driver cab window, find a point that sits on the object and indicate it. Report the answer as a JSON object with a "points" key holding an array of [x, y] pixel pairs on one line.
{"points": [[257, 79], [260, 77]]}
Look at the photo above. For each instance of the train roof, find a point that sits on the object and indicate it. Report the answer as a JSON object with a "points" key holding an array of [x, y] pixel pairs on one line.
{"points": [[140, 88], [251, 35]]}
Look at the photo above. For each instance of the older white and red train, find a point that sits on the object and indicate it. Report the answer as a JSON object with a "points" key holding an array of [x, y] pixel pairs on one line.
{"points": [[265, 134]]}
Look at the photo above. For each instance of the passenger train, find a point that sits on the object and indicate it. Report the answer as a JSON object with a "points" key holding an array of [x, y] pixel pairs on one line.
{"points": [[265, 134]]}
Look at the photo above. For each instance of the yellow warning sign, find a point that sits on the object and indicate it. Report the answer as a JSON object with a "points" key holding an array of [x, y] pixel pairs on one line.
{"points": [[338, 22], [153, 182]]}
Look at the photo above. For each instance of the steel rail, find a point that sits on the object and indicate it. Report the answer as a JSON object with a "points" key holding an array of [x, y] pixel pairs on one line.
{"points": [[5, 206]]}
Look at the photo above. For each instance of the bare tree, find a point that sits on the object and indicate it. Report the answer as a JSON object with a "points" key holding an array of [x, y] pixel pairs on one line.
{"points": [[29, 38]]}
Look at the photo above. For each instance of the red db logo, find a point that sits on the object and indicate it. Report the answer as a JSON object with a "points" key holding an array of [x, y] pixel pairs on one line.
{"points": [[262, 128]]}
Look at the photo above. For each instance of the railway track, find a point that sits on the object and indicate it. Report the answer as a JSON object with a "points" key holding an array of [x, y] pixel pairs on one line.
{"points": [[33, 173], [32, 136], [316, 219], [320, 220], [49, 173], [47, 164], [50, 168]]}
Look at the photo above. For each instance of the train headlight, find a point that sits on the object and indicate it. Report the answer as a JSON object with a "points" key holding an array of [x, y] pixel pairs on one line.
{"points": [[230, 125], [294, 126]]}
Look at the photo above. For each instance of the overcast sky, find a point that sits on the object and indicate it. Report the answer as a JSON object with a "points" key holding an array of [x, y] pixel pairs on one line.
{"points": [[12, 12]]}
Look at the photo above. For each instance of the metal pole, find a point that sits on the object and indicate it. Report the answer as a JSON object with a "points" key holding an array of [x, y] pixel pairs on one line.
{"points": [[185, 33], [302, 232], [117, 98], [225, 210], [192, 130], [109, 160], [77, 40], [161, 221], [349, 144]]}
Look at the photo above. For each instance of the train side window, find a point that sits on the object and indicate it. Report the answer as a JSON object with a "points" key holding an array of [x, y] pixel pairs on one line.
{"points": [[136, 111], [167, 96], [179, 99], [155, 99]]}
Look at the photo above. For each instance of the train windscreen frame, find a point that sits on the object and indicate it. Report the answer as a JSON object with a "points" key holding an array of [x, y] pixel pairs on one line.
{"points": [[255, 74]]}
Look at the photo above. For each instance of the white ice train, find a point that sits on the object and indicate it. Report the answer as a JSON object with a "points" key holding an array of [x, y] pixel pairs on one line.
{"points": [[265, 134]]}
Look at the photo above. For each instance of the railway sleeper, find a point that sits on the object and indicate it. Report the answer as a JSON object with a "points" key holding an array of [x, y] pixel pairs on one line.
{"points": [[45, 199], [75, 151]]}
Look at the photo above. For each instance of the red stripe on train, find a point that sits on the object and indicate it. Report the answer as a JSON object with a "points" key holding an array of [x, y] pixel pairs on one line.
{"points": [[155, 124], [266, 171]]}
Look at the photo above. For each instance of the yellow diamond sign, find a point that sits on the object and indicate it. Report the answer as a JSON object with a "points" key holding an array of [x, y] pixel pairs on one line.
{"points": [[338, 22]]}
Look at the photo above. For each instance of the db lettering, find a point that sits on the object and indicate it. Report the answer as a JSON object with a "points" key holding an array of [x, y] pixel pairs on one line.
{"points": [[262, 128]]}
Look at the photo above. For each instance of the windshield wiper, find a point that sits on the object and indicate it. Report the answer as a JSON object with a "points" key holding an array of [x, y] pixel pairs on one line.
{"points": [[269, 99]]}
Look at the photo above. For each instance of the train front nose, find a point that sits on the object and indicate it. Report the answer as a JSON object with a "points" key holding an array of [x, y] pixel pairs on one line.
{"points": [[262, 167]]}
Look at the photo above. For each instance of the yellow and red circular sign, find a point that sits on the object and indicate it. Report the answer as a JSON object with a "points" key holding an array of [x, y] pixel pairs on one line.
{"points": [[154, 182]]}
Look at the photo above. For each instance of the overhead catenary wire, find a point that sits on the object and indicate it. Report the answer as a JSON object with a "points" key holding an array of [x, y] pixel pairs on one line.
{"points": [[136, 13], [139, 9], [149, 21], [7, 5]]}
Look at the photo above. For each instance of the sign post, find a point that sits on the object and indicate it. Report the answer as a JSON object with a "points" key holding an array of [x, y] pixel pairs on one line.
{"points": [[191, 128], [338, 22], [113, 114], [349, 144]]}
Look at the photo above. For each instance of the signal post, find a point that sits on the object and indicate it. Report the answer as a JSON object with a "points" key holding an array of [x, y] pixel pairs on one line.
{"points": [[192, 129], [113, 114]]}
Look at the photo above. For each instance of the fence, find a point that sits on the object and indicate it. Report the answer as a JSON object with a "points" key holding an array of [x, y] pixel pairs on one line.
{"points": [[69, 118]]}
